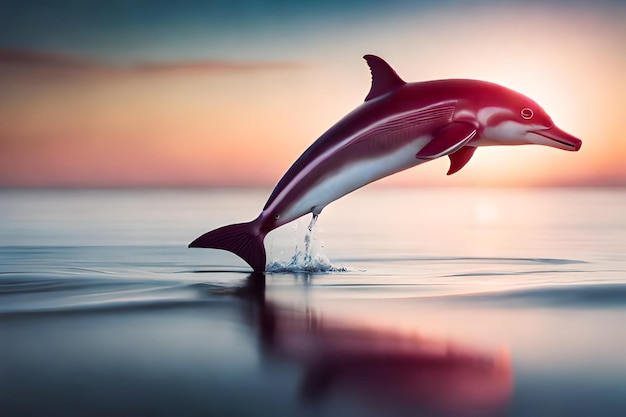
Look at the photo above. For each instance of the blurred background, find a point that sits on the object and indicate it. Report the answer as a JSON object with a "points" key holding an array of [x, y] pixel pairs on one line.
{"points": [[230, 93]]}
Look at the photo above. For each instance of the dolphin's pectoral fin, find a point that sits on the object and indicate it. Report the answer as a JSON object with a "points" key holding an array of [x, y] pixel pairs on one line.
{"points": [[448, 140], [460, 158], [384, 78]]}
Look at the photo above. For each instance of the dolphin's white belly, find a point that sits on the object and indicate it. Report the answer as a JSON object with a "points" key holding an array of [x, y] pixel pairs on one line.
{"points": [[355, 175]]}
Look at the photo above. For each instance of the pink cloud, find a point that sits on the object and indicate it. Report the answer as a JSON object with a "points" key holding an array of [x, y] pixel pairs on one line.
{"points": [[63, 63]]}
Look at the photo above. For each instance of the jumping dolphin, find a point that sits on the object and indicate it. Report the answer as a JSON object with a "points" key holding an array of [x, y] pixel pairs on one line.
{"points": [[399, 125]]}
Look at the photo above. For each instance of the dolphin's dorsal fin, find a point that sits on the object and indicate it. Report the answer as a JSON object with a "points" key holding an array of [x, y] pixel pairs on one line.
{"points": [[384, 78]]}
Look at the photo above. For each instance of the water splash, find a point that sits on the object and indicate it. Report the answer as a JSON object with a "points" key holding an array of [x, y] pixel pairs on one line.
{"points": [[308, 260], [300, 262]]}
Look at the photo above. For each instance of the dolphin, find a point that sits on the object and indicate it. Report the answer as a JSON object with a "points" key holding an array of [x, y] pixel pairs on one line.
{"points": [[400, 125]]}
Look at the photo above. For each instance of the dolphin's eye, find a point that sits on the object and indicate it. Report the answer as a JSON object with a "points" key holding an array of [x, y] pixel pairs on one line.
{"points": [[276, 216], [527, 113]]}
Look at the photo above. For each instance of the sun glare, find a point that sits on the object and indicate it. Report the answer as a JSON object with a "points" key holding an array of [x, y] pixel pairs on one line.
{"points": [[485, 212]]}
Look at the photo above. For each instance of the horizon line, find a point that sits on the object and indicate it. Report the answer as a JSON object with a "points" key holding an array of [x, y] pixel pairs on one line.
{"points": [[267, 187]]}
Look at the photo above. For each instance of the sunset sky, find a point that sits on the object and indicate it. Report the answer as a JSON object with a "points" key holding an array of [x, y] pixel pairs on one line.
{"points": [[195, 93]]}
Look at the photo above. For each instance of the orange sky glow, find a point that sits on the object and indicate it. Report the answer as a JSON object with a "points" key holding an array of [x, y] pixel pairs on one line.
{"points": [[69, 121]]}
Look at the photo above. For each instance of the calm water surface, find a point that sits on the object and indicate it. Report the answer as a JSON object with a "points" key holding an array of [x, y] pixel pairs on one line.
{"points": [[442, 302]]}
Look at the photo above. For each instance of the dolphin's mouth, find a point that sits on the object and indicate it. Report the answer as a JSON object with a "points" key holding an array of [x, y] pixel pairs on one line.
{"points": [[562, 142], [567, 141]]}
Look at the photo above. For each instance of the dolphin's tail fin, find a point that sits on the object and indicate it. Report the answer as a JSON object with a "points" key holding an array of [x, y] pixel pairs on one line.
{"points": [[243, 239]]}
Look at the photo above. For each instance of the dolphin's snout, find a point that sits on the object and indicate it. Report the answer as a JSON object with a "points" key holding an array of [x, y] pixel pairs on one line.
{"points": [[561, 139]]}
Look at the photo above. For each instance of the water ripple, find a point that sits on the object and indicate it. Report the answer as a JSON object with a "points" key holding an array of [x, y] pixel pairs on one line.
{"points": [[589, 295], [511, 273], [466, 259]]}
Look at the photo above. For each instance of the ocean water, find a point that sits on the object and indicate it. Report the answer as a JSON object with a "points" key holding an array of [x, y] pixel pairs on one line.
{"points": [[427, 302]]}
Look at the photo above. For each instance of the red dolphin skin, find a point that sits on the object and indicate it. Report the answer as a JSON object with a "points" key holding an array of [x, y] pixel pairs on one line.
{"points": [[400, 125]]}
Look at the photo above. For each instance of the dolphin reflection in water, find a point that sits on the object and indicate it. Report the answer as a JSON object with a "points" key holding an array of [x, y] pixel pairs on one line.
{"points": [[400, 125], [381, 369]]}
